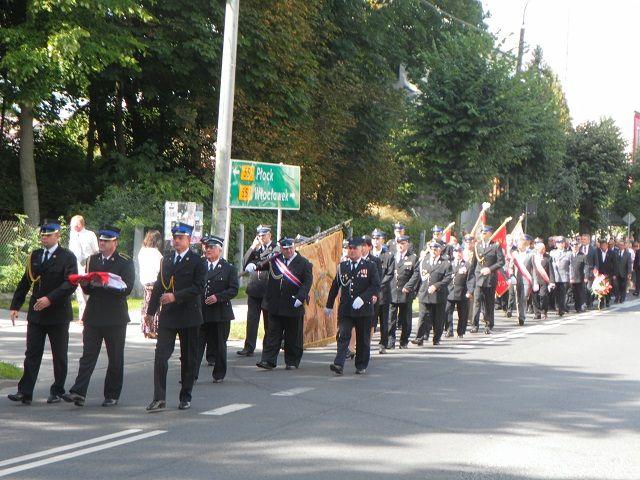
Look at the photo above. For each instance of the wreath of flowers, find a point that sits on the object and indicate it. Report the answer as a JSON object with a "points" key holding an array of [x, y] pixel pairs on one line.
{"points": [[601, 285]]}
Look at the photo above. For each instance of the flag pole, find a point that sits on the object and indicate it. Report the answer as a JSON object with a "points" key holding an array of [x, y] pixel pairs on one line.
{"points": [[519, 222], [485, 207], [449, 227]]}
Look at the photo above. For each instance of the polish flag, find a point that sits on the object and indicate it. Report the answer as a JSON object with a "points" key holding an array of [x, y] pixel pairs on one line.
{"points": [[104, 279], [500, 237]]}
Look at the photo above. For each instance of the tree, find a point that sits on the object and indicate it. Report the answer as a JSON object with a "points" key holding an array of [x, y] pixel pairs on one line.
{"points": [[596, 150]]}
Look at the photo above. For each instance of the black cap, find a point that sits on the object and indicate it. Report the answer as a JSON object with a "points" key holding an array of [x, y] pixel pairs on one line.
{"points": [[355, 241]]}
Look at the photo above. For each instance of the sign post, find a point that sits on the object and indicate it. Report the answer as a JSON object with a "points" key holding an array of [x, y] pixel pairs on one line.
{"points": [[629, 218]]}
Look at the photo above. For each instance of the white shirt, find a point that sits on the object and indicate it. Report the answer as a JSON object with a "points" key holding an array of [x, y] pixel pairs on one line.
{"points": [[149, 261], [83, 244], [287, 262], [212, 265], [50, 250]]}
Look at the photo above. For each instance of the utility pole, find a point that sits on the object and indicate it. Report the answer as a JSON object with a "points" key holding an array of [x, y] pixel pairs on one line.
{"points": [[220, 212], [521, 43]]}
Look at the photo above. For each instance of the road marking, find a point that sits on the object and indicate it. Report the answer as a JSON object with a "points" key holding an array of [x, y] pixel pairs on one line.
{"points": [[70, 446], [234, 407], [292, 392], [78, 453]]}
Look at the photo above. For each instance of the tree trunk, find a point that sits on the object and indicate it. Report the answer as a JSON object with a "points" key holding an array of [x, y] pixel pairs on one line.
{"points": [[27, 165], [91, 139], [118, 120]]}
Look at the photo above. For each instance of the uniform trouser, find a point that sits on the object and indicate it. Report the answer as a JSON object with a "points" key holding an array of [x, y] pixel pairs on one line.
{"points": [[588, 295], [362, 326], [291, 328], [383, 319], [484, 297], [621, 293], [522, 297], [636, 280], [463, 315], [579, 291], [214, 335], [560, 293], [401, 314], [81, 298], [188, 360], [511, 300], [541, 301], [254, 309], [59, 341], [92, 338], [432, 316]]}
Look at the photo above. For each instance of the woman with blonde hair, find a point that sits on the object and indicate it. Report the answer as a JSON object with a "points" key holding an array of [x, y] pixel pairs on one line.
{"points": [[149, 261]]}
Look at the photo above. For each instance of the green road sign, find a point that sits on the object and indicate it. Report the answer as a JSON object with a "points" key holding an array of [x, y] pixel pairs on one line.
{"points": [[264, 185]]}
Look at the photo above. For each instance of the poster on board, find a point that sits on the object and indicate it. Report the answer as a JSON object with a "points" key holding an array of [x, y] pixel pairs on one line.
{"points": [[191, 213]]}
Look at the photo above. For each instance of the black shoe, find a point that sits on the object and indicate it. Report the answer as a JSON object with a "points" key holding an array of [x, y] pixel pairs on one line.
{"points": [[217, 380], [520, 322], [110, 402], [335, 368], [417, 341], [184, 405], [437, 342], [449, 334], [210, 364], [19, 397], [265, 365], [474, 330], [487, 331], [460, 336], [404, 345], [54, 399], [72, 397], [509, 314], [291, 367], [382, 350], [156, 406], [537, 317], [361, 371], [351, 354], [245, 353]]}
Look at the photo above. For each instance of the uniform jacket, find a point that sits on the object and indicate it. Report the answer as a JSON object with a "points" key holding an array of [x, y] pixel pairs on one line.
{"points": [[406, 275], [490, 256], [108, 306], [257, 285], [561, 265], [186, 281], [459, 277], [608, 266], [362, 282], [438, 275], [281, 294], [50, 280], [223, 283], [525, 261], [388, 264], [578, 268]]}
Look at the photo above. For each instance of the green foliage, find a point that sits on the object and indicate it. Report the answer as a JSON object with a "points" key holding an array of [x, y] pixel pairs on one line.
{"points": [[26, 240], [10, 371]]}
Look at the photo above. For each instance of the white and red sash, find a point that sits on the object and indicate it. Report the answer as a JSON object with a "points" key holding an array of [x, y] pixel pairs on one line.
{"points": [[286, 273], [537, 262], [521, 268]]}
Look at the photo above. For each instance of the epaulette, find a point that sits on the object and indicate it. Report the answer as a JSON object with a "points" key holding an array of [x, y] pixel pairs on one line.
{"points": [[125, 256]]}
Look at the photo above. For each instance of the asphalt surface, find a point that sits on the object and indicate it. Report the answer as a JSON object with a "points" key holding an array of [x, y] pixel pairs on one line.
{"points": [[553, 399]]}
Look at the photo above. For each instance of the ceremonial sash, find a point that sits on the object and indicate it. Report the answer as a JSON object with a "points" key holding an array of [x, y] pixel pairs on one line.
{"points": [[521, 268], [537, 261], [286, 273]]}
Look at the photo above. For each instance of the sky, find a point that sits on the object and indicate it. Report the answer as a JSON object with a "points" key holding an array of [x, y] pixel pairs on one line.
{"points": [[590, 44]]}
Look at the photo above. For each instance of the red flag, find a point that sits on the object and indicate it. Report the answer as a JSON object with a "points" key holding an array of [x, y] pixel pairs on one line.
{"points": [[483, 218], [500, 237], [447, 236], [503, 285]]}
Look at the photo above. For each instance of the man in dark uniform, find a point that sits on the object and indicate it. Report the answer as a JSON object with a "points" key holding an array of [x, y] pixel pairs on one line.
{"points": [[606, 263], [446, 250], [290, 280], [221, 286], [367, 247], [398, 231], [590, 253], [105, 319], [435, 276], [488, 258], [256, 289], [358, 282], [49, 314], [387, 260], [458, 297], [179, 290], [403, 289]]}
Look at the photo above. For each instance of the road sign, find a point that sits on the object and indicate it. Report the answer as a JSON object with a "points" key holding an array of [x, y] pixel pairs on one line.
{"points": [[629, 218], [264, 185]]}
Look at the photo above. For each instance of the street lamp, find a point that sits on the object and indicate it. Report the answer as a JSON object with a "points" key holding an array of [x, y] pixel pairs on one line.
{"points": [[521, 43]]}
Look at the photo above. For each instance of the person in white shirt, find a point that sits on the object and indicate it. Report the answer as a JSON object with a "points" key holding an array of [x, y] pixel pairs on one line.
{"points": [[149, 261], [83, 243]]}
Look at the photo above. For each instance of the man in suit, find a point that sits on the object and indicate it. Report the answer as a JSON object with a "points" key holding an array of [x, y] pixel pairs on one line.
{"points": [[105, 319], [358, 282], [561, 267], [398, 231], [590, 253], [436, 236], [543, 279], [48, 269], [384, 300], [578, 275], [606, 264], [256, 289], [290, 280], [522, 272], [488, 258], [624, 267], [179, 290], [636, 268], [458, 297], [221, 286], [435, 276], [367, 247], [404, 285]]}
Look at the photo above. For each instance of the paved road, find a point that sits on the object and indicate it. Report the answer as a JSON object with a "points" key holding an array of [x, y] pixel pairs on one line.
{"points": [[550, 400]]}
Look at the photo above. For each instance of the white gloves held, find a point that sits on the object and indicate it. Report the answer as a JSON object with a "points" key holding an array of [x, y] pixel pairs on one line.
{"points": [[357, 303], [297, 303], [250, 268]]}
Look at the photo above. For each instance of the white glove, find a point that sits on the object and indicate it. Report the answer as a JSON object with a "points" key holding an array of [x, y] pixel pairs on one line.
{"points": [[328, 311], [552, 286], [297, 303], [512, 280], [250, 268], [357, 303], [536, 288]]}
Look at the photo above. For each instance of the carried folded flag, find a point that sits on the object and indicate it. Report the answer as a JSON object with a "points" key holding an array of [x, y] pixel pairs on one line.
{"points": [[105, 279]]}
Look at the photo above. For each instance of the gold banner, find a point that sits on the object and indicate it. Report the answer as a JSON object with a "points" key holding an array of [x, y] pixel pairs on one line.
{"points": [[325, 256]]}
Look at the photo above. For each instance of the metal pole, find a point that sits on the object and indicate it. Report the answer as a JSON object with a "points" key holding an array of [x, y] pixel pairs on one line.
{"points": [[240, 254], [521, 42], [220, 212], [279, 225]]}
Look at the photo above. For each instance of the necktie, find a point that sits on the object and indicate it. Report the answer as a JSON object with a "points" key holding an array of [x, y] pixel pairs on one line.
{"points": [[46, 256], [177, 261], [353, 266], [210, 267]]}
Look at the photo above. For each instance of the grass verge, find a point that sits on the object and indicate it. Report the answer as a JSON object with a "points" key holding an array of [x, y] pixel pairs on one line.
{"points": [[10, 371]]}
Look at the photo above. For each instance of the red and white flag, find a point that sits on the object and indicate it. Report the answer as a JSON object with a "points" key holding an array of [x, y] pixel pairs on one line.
{"points": [[105, 279]]}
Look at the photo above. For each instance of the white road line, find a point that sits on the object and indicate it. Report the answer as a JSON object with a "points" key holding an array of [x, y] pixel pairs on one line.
{"points": [[292, 392], [234, 407], [70, 446], [78, 453]]}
